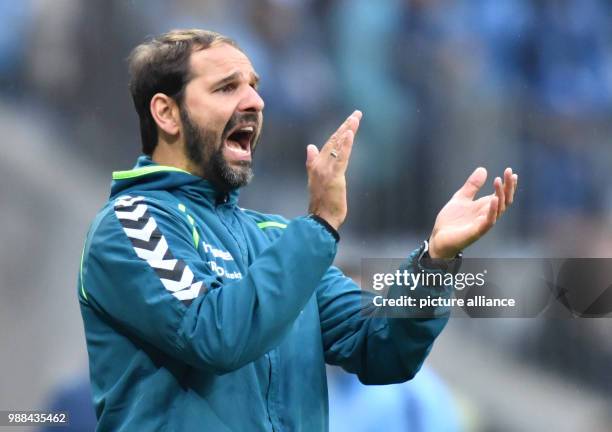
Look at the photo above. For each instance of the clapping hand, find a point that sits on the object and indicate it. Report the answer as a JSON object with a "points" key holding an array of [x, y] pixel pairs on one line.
{"points": [[464, 219]]}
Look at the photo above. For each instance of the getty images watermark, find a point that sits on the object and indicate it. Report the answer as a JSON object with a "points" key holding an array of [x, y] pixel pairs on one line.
{"points": [[489, 288]]}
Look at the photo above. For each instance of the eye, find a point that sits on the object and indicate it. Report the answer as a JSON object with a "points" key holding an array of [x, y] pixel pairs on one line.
{"points": [[228, 88]]}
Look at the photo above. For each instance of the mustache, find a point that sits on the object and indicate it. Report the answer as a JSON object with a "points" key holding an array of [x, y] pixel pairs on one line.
{"points": [[238, 118]]}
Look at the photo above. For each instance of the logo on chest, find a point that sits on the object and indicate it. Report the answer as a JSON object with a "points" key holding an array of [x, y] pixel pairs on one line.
{"points": [[220, 270]]}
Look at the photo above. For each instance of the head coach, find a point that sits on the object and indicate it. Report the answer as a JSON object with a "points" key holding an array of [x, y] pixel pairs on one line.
{"points": [[200, 315]]}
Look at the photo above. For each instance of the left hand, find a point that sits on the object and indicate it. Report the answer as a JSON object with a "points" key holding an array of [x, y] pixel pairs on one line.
{"points": [[463, 220]]}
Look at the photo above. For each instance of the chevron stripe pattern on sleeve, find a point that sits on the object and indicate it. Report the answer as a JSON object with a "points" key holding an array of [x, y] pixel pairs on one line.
{"points": [[151, 245]]}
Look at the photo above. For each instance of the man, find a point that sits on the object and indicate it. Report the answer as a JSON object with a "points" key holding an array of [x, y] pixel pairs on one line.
{"points": [[201, 315]]}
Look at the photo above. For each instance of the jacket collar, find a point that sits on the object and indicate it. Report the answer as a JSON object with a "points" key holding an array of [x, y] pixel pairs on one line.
{"points": [[148, 175]]}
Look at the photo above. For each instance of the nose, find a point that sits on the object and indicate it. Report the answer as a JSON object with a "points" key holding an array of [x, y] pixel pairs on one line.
{"points": [[251, 101]]}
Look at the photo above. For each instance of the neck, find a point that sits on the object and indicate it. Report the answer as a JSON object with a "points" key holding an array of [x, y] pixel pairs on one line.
{"points": [[171, 155]]}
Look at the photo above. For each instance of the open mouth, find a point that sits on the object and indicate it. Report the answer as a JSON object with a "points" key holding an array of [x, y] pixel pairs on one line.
{"points": [[240, 140]]}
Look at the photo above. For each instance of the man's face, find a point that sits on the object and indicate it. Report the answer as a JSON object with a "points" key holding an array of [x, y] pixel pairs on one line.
{"points": [[221, 116]]}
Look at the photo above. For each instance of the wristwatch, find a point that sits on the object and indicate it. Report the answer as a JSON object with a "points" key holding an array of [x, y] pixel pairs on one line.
{"points": [[446, 265]]}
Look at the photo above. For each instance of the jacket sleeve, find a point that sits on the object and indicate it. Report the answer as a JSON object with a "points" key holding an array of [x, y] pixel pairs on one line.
{"points": [[359, 338], [152, 283]]}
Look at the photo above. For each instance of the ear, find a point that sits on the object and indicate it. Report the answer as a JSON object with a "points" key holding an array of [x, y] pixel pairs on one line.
{"points": [[166, 114]]}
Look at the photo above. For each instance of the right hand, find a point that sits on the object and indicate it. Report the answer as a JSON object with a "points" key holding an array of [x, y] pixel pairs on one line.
{"points": [[326, 173]]}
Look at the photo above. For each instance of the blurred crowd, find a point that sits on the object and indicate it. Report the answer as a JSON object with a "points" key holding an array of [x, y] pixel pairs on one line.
{"points": [[445, 86]]}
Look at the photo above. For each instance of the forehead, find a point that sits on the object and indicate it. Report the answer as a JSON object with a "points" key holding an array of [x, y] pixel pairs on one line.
{"points": [[218, 61]]}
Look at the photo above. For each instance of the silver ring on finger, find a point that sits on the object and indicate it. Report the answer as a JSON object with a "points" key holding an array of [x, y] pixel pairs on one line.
{"points": [[334, 153]]}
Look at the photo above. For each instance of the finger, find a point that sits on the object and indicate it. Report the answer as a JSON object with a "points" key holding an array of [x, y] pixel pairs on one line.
{"points": [[343, 144], [508, 186], [499, 193], [349, 138], [510, 197], [492, 213], [473, 184], [357, 116], [486, 219], [311, 154], [345, 150], [514, 185], [351, 122]]}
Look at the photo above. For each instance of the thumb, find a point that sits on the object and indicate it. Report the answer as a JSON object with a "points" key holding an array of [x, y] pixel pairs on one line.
{"points": [[311, 154], [473, 184]]}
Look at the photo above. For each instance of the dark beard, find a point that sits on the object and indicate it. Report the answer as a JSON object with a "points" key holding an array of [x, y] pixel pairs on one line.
{"points": [[204, 149]]}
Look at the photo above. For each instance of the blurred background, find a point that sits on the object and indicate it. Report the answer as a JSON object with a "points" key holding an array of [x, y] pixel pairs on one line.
{"points": [[445, 86]]}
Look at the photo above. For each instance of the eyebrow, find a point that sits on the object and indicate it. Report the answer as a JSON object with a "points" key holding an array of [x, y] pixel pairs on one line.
{"points": [[236, 77]]}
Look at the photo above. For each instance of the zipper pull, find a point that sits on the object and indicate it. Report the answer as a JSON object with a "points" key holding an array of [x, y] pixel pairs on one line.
{"points": [[222, 199]]}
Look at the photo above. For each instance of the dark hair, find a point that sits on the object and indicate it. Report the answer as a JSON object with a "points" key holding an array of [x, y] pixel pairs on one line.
{"points": [[161, 65]]}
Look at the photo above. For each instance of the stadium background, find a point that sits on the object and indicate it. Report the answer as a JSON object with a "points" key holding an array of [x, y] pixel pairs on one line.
{"points": [[445, 85]]}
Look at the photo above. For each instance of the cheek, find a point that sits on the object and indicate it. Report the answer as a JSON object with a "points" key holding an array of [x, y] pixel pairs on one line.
{"points": [[207, 111], [213, 121], [206, 103]]}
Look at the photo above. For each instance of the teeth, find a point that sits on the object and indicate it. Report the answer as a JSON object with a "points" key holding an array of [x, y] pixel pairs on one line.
{"points": [[247, 129]]}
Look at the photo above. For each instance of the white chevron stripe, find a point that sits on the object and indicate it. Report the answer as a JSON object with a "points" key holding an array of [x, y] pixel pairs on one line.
{"points": [[163, 264], [157, 254], [186, 288], [144, 233], [185, 282], [190, 293], [134, 215], [127, 201]]}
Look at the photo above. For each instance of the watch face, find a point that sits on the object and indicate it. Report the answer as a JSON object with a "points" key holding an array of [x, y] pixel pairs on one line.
{"points": [[446, 265], [424, 250]]}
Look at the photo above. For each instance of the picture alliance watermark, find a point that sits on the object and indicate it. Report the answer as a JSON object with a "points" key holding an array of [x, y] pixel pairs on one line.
{"points": [[489, 288]]}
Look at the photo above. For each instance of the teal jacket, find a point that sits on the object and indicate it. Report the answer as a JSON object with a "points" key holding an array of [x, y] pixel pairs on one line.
{"points": [[203, 316]]}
